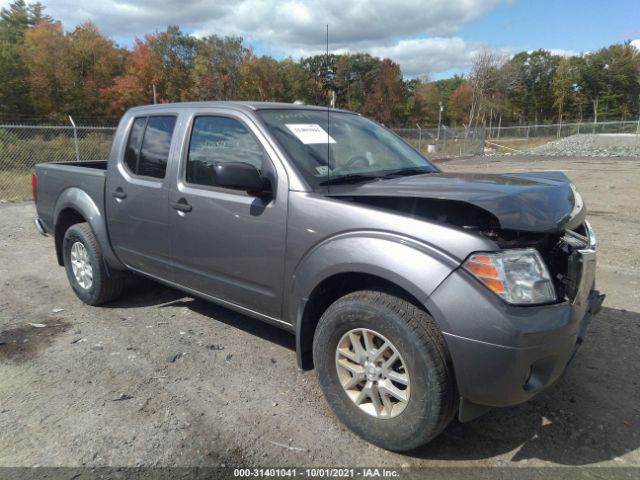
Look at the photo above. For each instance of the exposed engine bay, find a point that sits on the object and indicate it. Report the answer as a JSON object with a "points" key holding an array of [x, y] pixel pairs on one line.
{"points": [[559, 249]]}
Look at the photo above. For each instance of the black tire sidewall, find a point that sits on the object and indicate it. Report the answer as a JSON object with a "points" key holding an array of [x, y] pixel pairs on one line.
{"points": [[422, 418], [75, 234]]}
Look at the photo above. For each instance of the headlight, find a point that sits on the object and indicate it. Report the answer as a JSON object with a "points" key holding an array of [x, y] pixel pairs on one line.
{"points": [[518, 276]]}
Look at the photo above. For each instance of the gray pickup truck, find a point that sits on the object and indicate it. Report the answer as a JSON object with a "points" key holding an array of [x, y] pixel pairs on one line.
{"points": [[415, 294]]}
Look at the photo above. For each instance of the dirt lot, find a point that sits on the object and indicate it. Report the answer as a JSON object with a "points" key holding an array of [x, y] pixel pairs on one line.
{"points": [[161, 379]]}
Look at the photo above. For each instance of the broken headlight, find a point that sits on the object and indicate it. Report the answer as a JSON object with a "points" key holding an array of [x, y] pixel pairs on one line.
{"points": [[518, 276]]}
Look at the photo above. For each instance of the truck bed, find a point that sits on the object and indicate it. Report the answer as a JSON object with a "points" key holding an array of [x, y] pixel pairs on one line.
{"points": [[56, 178]]}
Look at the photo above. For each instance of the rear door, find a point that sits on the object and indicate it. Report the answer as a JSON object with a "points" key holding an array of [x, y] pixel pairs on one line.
{"points": [[227, 243], [136, 195]]}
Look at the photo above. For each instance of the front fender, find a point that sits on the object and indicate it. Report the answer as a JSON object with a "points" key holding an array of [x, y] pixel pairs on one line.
{"points": [[415, 267], [77, 199]]}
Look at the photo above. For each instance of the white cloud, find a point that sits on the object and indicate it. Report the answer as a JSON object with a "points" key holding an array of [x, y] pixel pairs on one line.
{"points": [[431, 55], [560, 52], [296, 28], [636, 43]]}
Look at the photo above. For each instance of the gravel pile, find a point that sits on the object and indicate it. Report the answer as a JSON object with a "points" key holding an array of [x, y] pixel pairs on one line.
{"points": [[592, 145]]}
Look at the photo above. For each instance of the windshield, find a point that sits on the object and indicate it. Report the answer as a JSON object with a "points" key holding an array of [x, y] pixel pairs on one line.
{"points": [[358, 149]]}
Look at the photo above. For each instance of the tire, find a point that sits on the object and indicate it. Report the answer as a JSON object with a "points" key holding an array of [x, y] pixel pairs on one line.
{"points": [[102, 285], [431, 396]]}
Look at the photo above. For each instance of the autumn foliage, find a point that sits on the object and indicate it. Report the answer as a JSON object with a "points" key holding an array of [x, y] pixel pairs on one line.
{"points": [[47, 71]]}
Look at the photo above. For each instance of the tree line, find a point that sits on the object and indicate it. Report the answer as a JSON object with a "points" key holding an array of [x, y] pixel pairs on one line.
{"points": [[47, 72]]}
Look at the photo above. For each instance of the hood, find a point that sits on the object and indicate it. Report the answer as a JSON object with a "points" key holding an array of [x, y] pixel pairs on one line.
{"points": [[534, 202]]}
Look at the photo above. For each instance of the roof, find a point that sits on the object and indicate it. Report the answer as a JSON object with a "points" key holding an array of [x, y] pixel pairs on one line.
{"points": [[242, 106]]}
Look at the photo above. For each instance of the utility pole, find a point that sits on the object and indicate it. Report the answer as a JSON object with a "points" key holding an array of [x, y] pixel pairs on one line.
{"points": [[153, 85], [439, 118]]}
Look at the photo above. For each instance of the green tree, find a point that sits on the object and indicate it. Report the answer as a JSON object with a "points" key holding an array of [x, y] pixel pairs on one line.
{"points": [[14, 22], [216, 68], [94, 62], [563, 82], [260, 79]]}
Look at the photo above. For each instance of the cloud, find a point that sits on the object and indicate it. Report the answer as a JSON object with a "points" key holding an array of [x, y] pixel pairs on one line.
{"points": [[431, 55], [560, 52], [290, 22], [297, 27]]}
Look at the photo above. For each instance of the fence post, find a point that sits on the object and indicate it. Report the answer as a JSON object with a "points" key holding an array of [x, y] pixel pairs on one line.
{"points": [[528, 127], [637, 131], [75, 138]]}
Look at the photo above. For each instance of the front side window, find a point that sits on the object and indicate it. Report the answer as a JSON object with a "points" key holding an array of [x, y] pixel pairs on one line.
{"points": [[217, 140], [147, 151]]}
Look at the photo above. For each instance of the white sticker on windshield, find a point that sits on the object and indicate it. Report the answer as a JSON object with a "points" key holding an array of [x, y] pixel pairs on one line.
{"points": [[309, 133]]}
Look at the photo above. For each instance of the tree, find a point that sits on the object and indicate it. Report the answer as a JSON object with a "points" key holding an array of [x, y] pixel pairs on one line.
{"points": [[424, 105], [94, 62], [216, 68], [260, 79], [529, 85], [385, 101], [50, 80], [134, 86], [321, 70], [563, 82], [172, 58], [296, 83], [354, 77], [459, 105], [14, 22]]}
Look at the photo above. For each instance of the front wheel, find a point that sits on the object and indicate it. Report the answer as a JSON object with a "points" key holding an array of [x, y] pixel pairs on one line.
{"points": [[384, 369], [86, 269]]}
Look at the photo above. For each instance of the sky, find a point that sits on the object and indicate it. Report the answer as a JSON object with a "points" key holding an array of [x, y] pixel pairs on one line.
{"points": [[431, 38]]}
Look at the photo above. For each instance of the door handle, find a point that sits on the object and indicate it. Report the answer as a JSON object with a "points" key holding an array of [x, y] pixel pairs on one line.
{"points": [[119, 193], [181, 205]]}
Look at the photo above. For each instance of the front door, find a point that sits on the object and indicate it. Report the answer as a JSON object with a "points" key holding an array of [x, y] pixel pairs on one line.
{"points": [[227, 243]]}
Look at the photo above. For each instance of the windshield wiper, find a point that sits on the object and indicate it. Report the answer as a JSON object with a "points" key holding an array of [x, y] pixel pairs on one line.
{"points": [[405, 172], [350, 178]]}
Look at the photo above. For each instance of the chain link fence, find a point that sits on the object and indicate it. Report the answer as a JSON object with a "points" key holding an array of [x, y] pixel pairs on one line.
{"points": [[620, 138], [582, 139], [445, 142], [22, 146]]}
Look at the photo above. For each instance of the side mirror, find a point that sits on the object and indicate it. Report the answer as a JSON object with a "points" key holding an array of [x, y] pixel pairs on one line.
{"points": [[240, 176]]}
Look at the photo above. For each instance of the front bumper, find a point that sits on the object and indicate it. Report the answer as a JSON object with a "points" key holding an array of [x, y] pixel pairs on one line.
{"points": [[502, 354]]}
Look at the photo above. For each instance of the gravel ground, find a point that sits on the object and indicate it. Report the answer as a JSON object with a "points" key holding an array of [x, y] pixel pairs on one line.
{"points": [[592, 145], [160, 379]]}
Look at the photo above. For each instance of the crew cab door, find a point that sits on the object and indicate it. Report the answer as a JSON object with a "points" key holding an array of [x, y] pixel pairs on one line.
{"points": [[136, 195], [226, 243]]}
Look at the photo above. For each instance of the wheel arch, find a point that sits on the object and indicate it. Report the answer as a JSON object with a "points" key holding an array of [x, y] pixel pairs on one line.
{"points": [[389, 263], [76, 206]]}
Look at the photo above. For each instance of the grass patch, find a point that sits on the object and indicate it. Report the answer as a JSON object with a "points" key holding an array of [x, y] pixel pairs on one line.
{"points": [[15, 185], [22, 147]]}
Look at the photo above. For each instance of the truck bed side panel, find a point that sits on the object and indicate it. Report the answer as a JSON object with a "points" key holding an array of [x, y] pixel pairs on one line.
{"points": [[78, 186]]}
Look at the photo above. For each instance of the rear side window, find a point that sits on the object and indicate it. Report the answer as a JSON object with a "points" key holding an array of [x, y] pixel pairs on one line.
{"points": [[132, 152], [219, 140], [147, 150]]}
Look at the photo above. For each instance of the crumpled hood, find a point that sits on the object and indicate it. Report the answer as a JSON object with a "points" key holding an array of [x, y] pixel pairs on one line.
{"points": [[534, 202]]}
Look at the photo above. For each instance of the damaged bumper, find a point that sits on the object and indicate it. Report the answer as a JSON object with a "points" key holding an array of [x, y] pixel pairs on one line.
{"points": [[503, 354]]}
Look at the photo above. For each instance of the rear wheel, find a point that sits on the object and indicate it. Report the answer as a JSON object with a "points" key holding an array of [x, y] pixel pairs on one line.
{"points": [[86, 269], [384, 369]]}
